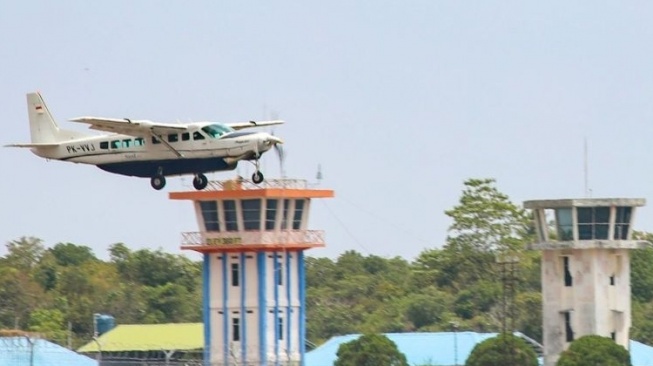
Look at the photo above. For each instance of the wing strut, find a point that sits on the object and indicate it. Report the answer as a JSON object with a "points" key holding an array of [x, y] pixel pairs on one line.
{"points": [[179, 155]]}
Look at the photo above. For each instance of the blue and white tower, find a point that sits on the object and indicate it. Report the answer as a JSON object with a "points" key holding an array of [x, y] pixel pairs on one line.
{"points": [[253, 239]]}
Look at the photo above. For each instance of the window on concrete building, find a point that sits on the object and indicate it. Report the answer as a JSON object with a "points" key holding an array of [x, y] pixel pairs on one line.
{"points": [[569, 280], [565, 224], [230, 215], [235, 275], [569, 333], [210, 215], [593, 222], [235, 329], [621, 223], [279, 273]]}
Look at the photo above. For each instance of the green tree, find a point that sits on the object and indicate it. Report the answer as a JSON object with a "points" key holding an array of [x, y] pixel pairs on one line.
{"points": [[49, 323], [24, 253], [370, 350], [504, 350], [69, 254], [641, 272], [594, 350], [486, 225]]}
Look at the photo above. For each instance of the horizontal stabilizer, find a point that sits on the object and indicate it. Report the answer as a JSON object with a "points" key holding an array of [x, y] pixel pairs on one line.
{"points": [[35, 144]]}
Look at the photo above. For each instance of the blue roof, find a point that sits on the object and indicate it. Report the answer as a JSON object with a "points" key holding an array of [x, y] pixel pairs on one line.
{"points": [[419, 348], [440, 348], [17, 351], [640, 354]]}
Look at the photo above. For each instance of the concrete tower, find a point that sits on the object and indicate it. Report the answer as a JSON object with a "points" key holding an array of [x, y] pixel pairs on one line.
{"points": [[253, 239], [585, 269]]}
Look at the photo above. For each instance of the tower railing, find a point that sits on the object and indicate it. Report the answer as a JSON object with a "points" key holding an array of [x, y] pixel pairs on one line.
{"points": [[239, 183]]}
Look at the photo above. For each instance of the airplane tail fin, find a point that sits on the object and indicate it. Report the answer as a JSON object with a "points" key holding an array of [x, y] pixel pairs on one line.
{"points": [[43, 128]]}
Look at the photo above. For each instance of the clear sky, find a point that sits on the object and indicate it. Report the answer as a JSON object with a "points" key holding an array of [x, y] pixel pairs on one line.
{"points": [[399, 102]]}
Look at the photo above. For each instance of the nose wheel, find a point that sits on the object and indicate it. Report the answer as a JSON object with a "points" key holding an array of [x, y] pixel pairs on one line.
{"points": [[200, 181]]}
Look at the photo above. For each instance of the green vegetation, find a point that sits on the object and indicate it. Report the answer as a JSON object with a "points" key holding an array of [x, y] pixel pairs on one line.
{"points": [[594, 350], [505, 350], [456, 281], [370, 350]]}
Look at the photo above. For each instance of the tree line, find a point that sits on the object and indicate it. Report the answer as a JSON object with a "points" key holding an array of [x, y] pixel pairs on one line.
{"points": [[457, 284]]}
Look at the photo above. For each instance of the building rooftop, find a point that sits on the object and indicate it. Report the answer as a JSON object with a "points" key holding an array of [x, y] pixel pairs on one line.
{"points": [[15, 351], [147, 337]]}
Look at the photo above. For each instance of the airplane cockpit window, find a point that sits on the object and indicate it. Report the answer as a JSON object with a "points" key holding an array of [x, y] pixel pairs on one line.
{"points": [[139, 141], [216, 130], [126, 143], [198, 136], [115, 144], [155, 140]]}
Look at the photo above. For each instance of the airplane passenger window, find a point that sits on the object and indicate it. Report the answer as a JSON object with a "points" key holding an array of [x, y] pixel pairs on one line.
{"points": [[104, 145], [126, 143], [198, 136], [139, 141], [173, 137], [155, 140], [115, 144], [185, 136]]}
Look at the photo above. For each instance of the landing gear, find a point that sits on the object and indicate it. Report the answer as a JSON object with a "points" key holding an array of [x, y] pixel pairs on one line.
{"points": [[158, 182], [257, 177], [200, 181]]}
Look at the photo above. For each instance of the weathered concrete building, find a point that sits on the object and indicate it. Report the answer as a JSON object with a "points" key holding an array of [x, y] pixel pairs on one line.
{"points": [[585, 269]]}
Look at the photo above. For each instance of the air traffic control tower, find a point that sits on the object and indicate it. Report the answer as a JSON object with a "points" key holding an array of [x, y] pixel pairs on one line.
{"points": [[253, 239], [585, 269]]}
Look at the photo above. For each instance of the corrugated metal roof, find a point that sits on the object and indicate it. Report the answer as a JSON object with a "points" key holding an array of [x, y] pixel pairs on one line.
{"points": [[442, 348], [439, 348], [146, 337], [15, 351]]}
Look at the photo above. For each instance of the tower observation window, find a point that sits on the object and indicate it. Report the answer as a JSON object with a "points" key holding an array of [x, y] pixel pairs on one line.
{"points": [[297, 217], [622, 222], [210, 215], [251, 214], [271, 214], [593, 222], [565, 224], [230, 216]]}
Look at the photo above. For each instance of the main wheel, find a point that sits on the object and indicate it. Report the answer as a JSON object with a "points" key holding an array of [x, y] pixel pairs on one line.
{"points": [[158, 182], [257, 177], [200, 181]]}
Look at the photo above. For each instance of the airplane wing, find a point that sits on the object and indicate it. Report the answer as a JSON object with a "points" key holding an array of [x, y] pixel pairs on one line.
{"points": [[250, 124], [35, 144], [130, 127]]}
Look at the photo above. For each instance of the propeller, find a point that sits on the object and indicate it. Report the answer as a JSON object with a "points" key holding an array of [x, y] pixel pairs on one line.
{"points": [[278, 147]]}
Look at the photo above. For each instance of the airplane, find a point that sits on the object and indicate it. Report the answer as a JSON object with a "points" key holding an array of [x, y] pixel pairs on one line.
{"points": [[154, 150]]}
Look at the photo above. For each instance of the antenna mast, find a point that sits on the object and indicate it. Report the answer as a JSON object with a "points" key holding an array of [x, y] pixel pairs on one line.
{"points": [[585, 168]]}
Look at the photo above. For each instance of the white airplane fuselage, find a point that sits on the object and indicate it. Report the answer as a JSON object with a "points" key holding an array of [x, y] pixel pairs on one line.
{"points": [[144, 156], [144, 148]]}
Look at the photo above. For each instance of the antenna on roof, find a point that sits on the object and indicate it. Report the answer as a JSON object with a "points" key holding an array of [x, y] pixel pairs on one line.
{"points": [[319, 176], [588, 191]]}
